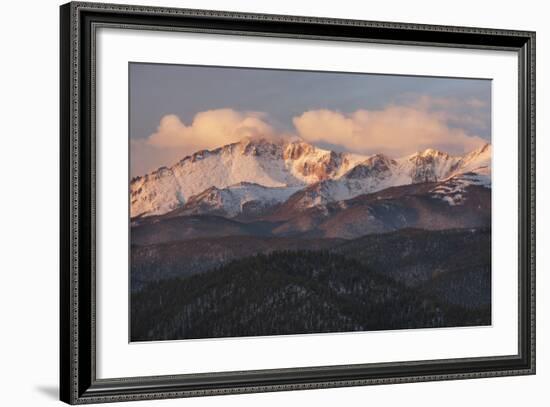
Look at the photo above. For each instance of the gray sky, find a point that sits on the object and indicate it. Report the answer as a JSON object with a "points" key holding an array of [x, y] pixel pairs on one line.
{"points": [[158, 90]]}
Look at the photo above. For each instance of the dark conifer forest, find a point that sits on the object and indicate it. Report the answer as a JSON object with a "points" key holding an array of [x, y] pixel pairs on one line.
{"points": [[401, 280]]}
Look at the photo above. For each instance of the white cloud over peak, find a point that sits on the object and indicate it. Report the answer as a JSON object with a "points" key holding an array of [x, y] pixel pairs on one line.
{"points": [[174, 139], [210, 129], [395, 130]]}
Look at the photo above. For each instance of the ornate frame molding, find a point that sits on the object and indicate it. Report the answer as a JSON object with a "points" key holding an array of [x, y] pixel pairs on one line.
{"points": [[79, 21]]}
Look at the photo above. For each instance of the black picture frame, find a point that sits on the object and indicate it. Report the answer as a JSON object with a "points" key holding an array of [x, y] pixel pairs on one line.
{"points": [[78, 381]]}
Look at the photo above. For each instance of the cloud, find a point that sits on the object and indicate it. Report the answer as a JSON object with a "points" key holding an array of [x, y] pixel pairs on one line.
{"points": [[472, 114], [428, 102], [175, 139], [210, 129], [396, 130]]}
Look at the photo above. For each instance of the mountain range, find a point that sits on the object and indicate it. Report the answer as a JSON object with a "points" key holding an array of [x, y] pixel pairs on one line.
{"points": [[293, 189], [254, 176]]}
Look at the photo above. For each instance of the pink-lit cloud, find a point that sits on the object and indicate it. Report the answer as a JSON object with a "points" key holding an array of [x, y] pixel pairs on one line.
{"points": [[396, 130], [210, 129], [175, 139]]}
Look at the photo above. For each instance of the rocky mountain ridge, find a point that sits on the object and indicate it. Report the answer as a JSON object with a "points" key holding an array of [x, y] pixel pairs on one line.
{"points": [[254, 175]]}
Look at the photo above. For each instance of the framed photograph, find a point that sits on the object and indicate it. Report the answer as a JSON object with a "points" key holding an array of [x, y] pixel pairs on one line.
{"points": [[255, 203]]}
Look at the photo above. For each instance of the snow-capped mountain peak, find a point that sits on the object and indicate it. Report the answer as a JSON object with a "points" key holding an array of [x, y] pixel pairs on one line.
{"points": [[430, 152], [256, 172], [244, 197]]}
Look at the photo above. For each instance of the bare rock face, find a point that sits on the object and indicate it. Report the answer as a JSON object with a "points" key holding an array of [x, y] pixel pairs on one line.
{"points": [[294, 151], [378, 166]]}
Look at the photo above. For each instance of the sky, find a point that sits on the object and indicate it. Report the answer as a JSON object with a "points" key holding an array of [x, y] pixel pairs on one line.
{"points": [[176, 110]]}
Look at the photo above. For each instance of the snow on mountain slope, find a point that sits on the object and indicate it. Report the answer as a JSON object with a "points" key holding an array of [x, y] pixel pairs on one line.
{"points": [[244, 197], [476, 161], [373, 174], [155, 193], [473, 169], [259, 161], [454, 189], [312, 164], [379, 172], [428, 166], [432, 165], [237, 176]]}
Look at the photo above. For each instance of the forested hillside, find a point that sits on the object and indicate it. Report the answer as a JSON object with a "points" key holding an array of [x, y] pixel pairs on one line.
{"points": [[289, 292]]}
